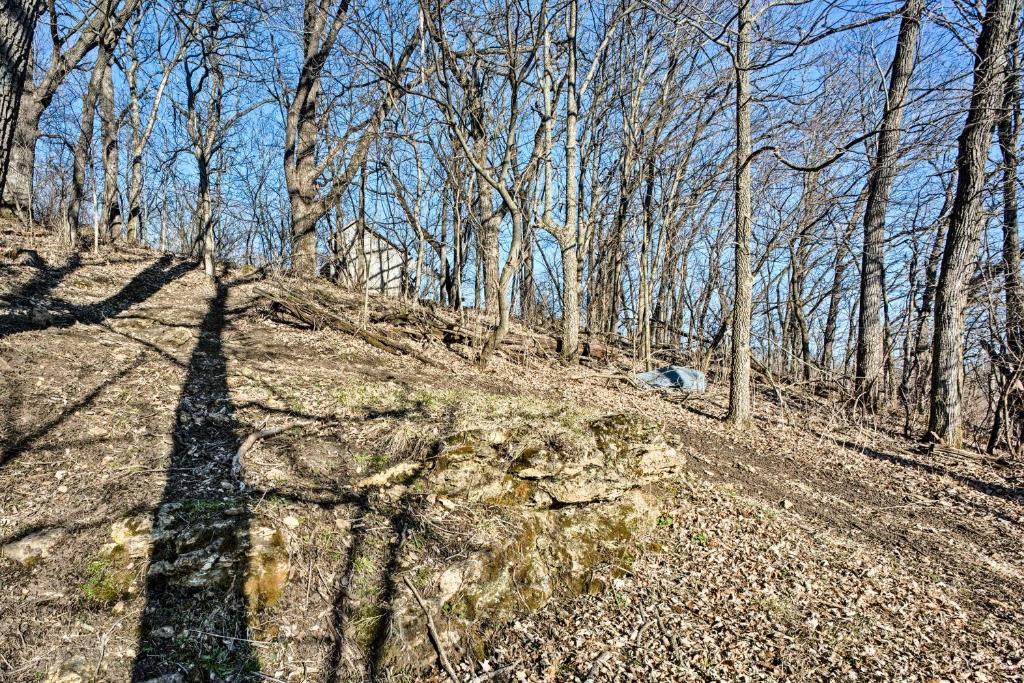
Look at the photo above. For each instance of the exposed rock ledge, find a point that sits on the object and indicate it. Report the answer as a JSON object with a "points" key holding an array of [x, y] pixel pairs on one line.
{"points": [[511, 518]]}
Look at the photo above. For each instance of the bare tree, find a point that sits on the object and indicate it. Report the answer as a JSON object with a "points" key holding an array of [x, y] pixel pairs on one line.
{"points": [[739, 379], [945, 422], [308, 158], [882, 174], [67, 50], [18, 20]]}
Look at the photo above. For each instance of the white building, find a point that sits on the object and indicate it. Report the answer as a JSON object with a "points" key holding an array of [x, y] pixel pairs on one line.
{"points": [[379, 264]]}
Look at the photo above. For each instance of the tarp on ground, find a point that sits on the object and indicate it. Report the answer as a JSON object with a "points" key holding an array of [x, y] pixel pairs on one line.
{"points": [[674, 377]]}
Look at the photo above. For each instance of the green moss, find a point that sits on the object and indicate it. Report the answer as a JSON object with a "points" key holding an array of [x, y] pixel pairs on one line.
{"points": [[365, 624], [107, 580], [195, 509]]}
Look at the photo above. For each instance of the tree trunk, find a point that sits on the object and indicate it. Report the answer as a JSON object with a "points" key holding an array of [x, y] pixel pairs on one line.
{"points": [[570, 231], [739, 376], [1008, 408], [487, 244], [1008, 131], [868, 378], [497, 335], [204, 216], [18, 20], [945, 421], [17, 198], [112, 219], [83, 148], [643, 268], [302, 191], [134, 193], [836, 292], [135, 227]]}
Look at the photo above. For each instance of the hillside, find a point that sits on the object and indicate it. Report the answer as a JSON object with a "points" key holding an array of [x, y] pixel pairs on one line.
{"points": [[196, 486]]}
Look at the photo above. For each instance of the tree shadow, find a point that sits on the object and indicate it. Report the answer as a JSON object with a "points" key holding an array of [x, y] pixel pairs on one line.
{"points": [[15, 444], [45, 280], [989, 489], [352, 614], [145, 284], [194, 621], [339, 609]]}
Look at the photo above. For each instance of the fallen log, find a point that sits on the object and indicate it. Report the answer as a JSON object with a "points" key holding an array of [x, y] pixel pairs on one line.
{"points": [[418, 324], [318, 317]]}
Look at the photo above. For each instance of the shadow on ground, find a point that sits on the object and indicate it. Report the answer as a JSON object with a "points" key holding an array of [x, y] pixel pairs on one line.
{"points": [[989, 489], [145, 284], [194, 620]]}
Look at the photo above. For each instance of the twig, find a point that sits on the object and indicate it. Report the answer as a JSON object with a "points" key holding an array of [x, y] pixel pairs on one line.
{"points": [[309, 579], [491, 674], [268, 678], [432, 630], [250, 441], [923, 503], [235, 640], [103, 646]]}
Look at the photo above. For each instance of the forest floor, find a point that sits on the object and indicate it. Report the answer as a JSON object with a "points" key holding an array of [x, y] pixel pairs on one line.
{"points": [[809, 548]]}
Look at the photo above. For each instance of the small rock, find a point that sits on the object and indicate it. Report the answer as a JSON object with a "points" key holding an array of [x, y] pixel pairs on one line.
{"points": [[168, 678], [449, 582], [133, 534], [291, 522], [40, 316], [71, 671], [32, 548], [786, 504], [165, 632]]}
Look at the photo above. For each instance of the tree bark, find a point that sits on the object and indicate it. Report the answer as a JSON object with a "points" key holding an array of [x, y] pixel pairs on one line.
{"points": [[18, 20], [112, 219], [643, 268], [570, 232], [1008, 131], [945, 422], [83, 148], [1008, 407], [739, 377], [17, 197], [868, 378]]}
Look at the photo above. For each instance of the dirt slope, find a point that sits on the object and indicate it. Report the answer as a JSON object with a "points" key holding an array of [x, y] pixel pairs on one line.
{"points": [[807, 550]]}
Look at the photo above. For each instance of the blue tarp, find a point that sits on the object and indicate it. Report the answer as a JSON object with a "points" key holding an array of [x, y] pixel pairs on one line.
{"points": [[674, 377]]}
